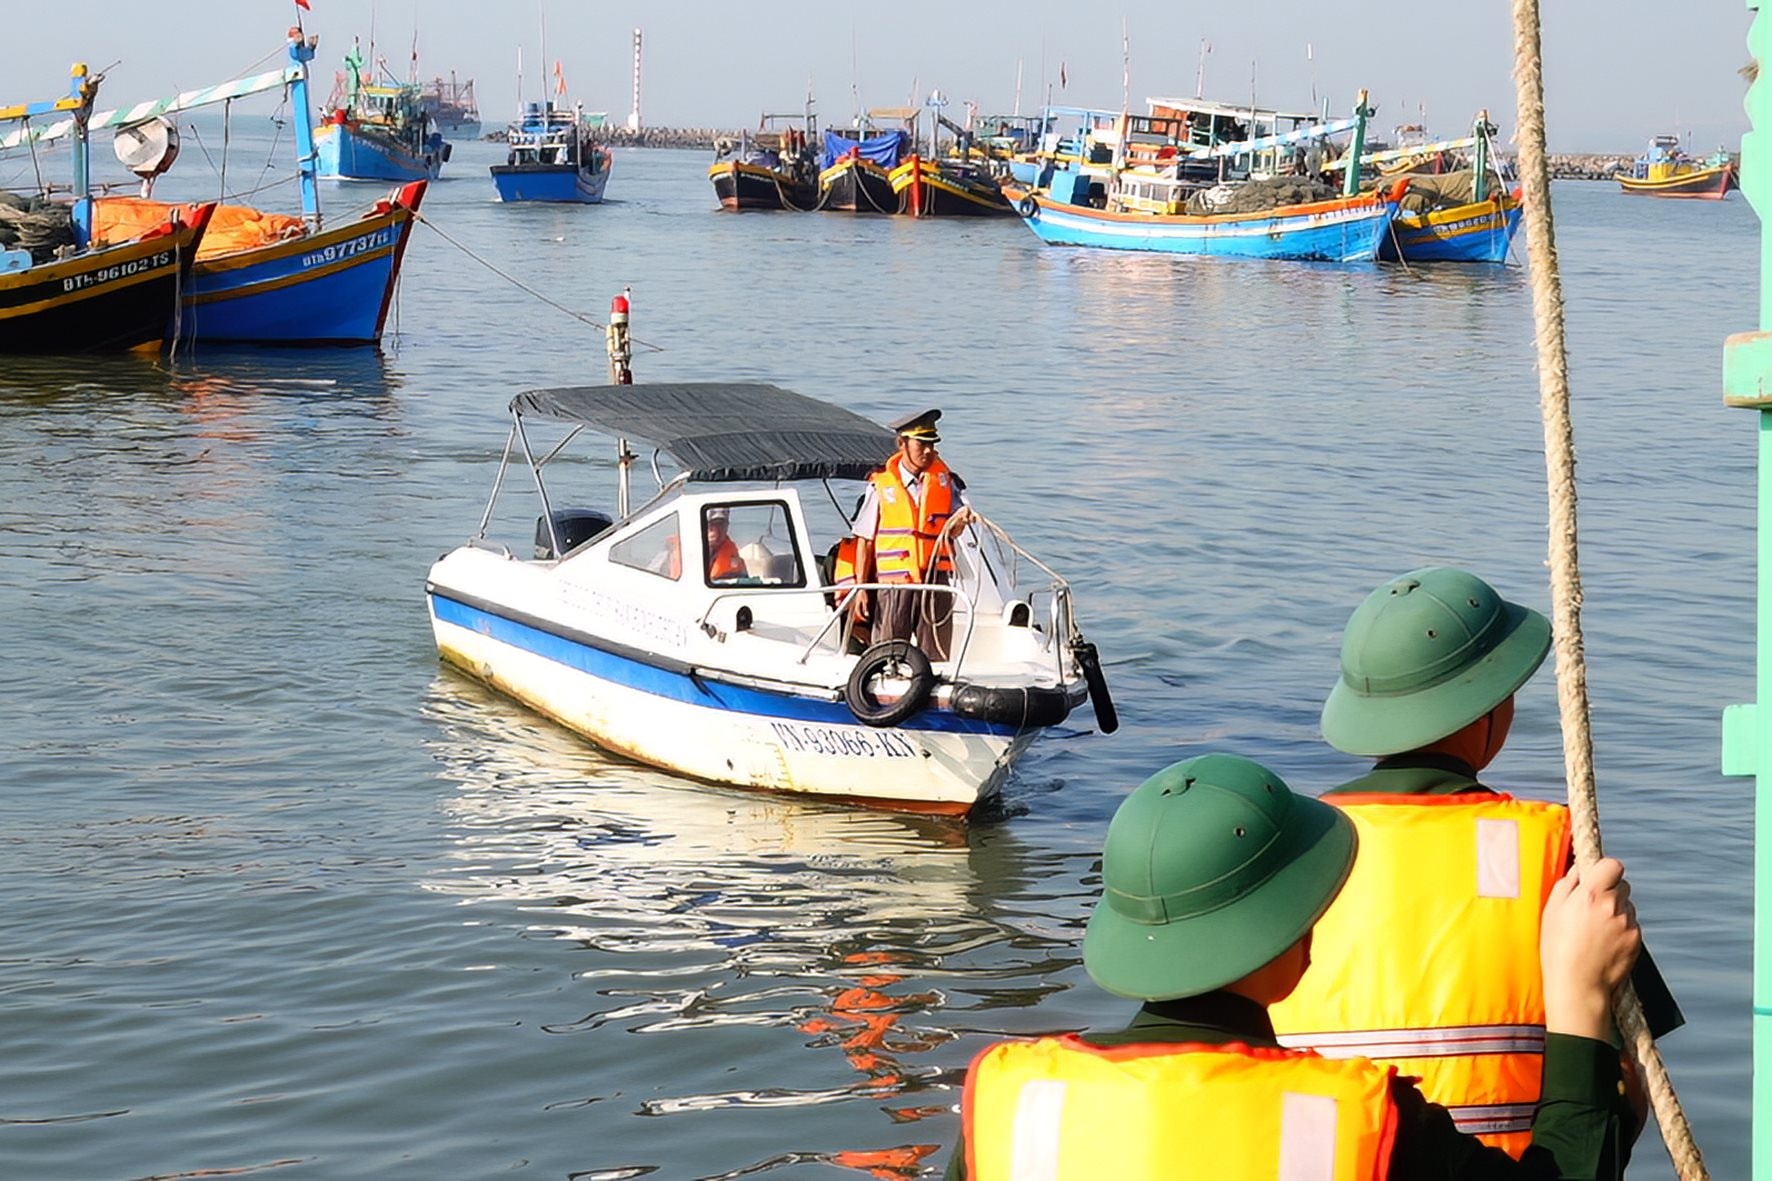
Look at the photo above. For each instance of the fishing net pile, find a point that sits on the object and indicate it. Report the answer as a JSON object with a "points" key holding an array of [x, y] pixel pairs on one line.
{"points": [[34, 224], [1428, 192], [1254, 196]]}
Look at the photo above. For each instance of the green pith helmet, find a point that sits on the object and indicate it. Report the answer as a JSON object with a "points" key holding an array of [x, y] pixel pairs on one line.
{"points": [[1426, 655], [1212, 868]]}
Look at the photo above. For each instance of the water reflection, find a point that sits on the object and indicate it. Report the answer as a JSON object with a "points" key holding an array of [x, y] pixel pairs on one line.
{"points": [[829, 956]]}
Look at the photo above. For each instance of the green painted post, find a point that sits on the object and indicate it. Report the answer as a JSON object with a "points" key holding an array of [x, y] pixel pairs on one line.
{"points": [[1350, 181], [1747, 742], [1480, 158]]}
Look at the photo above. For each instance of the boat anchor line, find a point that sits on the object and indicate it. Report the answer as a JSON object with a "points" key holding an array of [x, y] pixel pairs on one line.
{"points": [[582, 317]]}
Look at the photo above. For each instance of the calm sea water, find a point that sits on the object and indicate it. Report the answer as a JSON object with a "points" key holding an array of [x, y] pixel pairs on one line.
{"points": [[285, 896]]}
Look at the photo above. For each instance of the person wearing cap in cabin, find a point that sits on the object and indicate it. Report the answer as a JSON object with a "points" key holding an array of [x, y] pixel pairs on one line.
{"points": [[909, 501], [724, 562], [1213, 876], [1452, 876]]}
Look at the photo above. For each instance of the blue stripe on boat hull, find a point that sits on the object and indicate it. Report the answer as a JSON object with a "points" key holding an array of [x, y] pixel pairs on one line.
{"points": [[685, 687], [271, 303], [1350, 236]]}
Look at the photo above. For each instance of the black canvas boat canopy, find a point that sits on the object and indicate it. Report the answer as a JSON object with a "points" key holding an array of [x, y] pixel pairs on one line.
{"points": [[718, 431]]}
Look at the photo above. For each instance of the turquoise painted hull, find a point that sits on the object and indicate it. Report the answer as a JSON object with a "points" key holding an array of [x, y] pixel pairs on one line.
{"points": [[1332, 231]]}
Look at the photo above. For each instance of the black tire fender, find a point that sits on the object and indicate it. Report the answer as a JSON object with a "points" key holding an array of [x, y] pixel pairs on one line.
{"points": [[1028, 207], [859, 696]]}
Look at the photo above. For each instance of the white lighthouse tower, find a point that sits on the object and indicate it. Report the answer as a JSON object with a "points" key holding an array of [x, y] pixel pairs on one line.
{"points": [[634, 115]]}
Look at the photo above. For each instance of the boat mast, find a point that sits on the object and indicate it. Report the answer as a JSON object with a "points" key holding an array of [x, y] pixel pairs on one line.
{"points": [[301, 52], [1350, 181], [1747, 729], [82, 88]]}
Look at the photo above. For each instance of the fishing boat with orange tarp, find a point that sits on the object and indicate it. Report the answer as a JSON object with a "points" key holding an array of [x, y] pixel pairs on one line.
{"points": [[65, 289], [278, 278]]}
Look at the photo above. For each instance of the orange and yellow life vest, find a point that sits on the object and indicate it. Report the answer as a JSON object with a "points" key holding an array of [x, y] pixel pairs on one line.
{"points": [[843, 564], [1059, 1109], [1428, 959], [904, 540]]}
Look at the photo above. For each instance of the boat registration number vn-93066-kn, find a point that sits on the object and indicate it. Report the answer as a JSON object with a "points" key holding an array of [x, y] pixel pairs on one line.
{"points": [[843, 743], [343, 250]]}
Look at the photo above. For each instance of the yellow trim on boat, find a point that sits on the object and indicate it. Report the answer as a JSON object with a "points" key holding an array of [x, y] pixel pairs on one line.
{"points": [[282, 281]]}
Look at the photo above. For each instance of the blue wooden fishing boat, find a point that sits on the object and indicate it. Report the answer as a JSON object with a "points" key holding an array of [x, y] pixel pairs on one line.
{"points": [[1436, 223], [378, 132], [554, 156], [273, 278], [1146, 208]]}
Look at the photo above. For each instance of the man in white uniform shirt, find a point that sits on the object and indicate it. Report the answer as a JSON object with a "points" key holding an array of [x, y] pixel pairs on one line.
{"points": [[909, 502]]}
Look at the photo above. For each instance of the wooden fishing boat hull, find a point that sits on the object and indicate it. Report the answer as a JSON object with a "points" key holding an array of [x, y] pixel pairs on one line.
{"points": [[927, 190], [1478, 232], [111, 299], [328, 288], [1348, 229], [559, 183], [348, 151], [740, 186], [1705, 184], [854, 185]]}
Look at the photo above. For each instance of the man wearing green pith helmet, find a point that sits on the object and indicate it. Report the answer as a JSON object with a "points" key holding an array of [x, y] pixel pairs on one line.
{"points": [[1452, 875], [1213, 876]]}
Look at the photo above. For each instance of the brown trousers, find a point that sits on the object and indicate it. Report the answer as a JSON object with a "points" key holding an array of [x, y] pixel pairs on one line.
{"points": [[910, 613]]}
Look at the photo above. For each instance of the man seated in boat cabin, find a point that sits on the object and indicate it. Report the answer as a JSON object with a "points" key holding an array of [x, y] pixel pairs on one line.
{"points": [[1213, 876], [723, 562], [909, 501], [1452, 876]]}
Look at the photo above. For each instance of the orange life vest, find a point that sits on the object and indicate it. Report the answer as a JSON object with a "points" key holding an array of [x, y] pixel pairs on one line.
{"points": [[1428, 958], [843, 564], [724, 562], [1060, 1109], [905, 538]]}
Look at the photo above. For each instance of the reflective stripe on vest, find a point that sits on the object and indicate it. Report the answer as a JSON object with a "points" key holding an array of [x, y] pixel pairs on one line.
{"points": [[1059, 1109], [905, 537], [1428, 959]]}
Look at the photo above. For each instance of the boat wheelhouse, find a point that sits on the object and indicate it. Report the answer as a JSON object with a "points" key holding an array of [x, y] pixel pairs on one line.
{"points": [[706, 631], [377, 132], [554, 156]]}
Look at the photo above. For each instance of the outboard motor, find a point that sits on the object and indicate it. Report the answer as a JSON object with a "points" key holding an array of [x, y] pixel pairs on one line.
{"points": [[575, 526]]}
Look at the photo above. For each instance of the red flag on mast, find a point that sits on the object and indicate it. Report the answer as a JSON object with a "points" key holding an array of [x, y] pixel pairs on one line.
{"points": [[304, 4]]}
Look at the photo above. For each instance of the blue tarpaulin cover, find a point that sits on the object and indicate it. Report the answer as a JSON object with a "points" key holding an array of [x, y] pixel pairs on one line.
{"points": [[885, 149]]}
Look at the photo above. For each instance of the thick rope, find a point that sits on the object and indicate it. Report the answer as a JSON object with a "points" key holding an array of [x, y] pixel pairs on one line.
{"points": [[1565, 568]]}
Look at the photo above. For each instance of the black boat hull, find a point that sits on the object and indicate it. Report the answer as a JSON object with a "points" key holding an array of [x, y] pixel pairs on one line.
{"points": [[856, 186], [108, 300], [749, 186]]}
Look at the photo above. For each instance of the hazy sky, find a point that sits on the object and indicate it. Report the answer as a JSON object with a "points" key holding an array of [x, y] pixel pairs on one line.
{"points": [[1617, 70]]}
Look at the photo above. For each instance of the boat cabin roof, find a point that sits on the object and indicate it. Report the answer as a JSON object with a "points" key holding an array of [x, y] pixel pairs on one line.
{"points": [[724, 431]]}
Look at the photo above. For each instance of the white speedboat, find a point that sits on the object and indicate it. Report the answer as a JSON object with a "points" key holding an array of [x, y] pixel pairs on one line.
{"points": [[702, 632]]}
